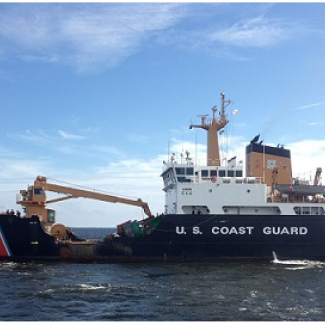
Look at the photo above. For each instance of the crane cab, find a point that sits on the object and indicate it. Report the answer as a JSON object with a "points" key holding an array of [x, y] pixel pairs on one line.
{"points": [[34, 203]]}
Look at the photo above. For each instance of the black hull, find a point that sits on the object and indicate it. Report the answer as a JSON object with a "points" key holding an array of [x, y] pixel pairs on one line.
{"points": [[179, 238]]}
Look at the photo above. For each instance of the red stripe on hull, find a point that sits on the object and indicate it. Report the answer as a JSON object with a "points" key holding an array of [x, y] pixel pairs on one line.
{"points": [[4, 251]]}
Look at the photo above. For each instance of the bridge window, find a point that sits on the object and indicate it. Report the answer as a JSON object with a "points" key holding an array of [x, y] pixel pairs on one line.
{"points": [[205, 173], [213, 173], [222, 173], [189, 171], [231, 173], [239, 173], [180, 170]]}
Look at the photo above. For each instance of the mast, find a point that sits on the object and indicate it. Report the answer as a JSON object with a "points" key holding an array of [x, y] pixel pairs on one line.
{"points": [[213, 154]]}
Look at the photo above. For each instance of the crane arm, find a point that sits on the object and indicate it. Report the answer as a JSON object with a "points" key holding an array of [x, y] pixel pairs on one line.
{"points": [[60, 199], [41, 182]]}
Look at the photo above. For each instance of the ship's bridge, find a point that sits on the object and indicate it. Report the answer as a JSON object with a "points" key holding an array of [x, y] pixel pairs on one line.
{"points": [[209, 189], [175, 172]]}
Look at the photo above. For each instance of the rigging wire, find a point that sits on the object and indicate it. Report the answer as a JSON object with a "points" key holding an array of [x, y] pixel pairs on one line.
{"points": [[91, 189]]}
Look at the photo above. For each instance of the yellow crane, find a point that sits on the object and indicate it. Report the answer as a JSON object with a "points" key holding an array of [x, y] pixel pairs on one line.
{"points": [[34, 199]]}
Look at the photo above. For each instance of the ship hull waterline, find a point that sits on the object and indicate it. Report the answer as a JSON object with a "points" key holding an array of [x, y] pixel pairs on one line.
{"points": [[177, 238]]}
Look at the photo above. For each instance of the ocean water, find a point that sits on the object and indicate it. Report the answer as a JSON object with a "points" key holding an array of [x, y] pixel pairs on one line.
{"points": [[224, 291]]}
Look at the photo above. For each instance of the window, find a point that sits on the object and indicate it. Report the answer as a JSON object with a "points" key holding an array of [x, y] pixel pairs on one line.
{"points": [[213, 173], [38, 191], [222, 173], [182, 179], [239, 173], [297, 210], [231, 173], [50, 215], [180, 170], [317, 210], [205, 173], [309, 210], [189, 171]]}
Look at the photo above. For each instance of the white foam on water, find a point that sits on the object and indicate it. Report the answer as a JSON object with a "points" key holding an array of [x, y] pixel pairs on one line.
{"points": [[299, 264], [86, 287]]}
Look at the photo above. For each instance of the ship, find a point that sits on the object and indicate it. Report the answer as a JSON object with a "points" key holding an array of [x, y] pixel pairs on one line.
{"points": [[216, 211]]}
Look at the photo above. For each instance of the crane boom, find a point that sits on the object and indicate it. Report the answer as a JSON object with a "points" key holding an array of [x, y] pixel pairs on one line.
{"points": [[34, 199]]}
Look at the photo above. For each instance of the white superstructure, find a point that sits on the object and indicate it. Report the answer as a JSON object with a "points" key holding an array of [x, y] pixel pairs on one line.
{"points": [[215, 189]]}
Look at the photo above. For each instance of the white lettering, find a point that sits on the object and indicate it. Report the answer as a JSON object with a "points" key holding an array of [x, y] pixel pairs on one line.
{"points": [[232, 230], [224, 230], [180, 230], [294, 231], [247, 230], [285, 230], [196, 231], [303, 231], [266, 230], [215, 230]]}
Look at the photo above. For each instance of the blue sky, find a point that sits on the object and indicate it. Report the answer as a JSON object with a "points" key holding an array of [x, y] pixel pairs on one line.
{"points": [[92, 94]]}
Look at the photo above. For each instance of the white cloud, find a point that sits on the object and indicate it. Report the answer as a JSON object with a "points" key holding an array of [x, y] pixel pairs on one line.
{"points": [[92, 37], [307, 155], [70, 136], [39, 137], [224, 39], [22, 168], [86, 36], [254, 32], [318, 123], [44, 138], [309, 106], [107, 150]]}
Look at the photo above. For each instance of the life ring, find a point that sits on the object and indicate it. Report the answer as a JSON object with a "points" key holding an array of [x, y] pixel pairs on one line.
{"points": [[214, 179]]}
